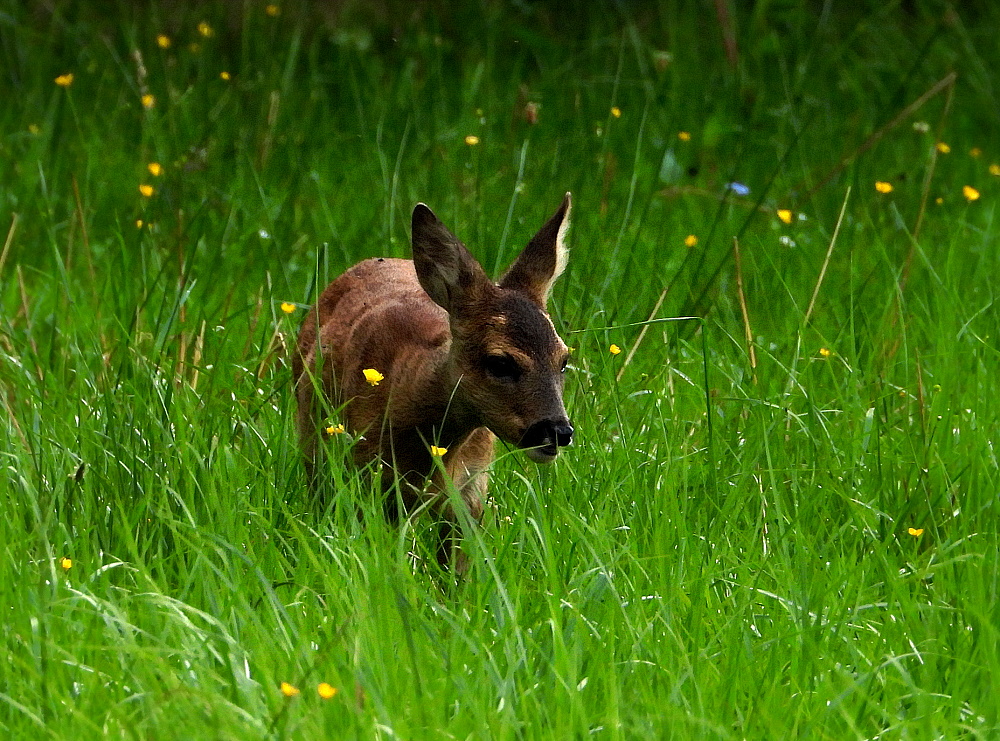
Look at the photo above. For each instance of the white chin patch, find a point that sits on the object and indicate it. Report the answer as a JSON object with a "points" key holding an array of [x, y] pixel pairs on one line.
{"points": [[538, 455]]}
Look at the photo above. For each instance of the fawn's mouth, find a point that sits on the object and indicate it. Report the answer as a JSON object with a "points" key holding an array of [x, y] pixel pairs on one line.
{"points": [[543, 439], [544, 454]]}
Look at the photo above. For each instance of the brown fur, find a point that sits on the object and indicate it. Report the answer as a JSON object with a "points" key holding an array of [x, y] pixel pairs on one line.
{"points": [[462, 358]]}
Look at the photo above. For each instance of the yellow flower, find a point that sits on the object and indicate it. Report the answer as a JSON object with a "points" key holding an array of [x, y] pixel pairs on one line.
{"points": [[148, 101], [163, 41], [146, 190], [995, 169], [785, 215], [883, 187], [139, 223], [335, 430], [66, 563], [154, 169], [825, 352], [970, 193], [65, 80], [287, 307], [939, 200], [289, 690], [975, 152], [472, 140], [614, 349], [916, 532], [326, 691], [690, 240], [942, 148], [206, 30], [616, 111], [274, 11], [34, 129], [438, 452], [684, 136], [373, 376], [224, 75]]}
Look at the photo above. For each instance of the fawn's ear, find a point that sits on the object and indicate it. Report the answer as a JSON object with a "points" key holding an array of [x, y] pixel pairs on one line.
{"points": [[445, 269], [543, 260]]}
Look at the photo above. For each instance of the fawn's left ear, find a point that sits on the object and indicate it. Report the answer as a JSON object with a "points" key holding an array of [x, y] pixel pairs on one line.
{"points": [[445, 269], [543, 260]]}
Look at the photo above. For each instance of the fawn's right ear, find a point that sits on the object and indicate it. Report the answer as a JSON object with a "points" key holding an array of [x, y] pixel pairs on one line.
{"points": [[445, 269], [543, 260]]}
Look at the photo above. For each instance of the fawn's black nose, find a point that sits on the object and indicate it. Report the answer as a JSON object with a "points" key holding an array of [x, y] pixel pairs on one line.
{"points": [[564, 435]]}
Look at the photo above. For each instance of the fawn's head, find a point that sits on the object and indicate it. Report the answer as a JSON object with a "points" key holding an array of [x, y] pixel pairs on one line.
{"points": [[505, 355]]}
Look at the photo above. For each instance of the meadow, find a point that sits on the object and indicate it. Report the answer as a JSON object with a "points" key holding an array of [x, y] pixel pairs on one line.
{"points": [[779, 516]]}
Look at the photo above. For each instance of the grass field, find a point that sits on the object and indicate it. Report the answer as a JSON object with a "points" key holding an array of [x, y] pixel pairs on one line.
{"points": [[778, 520]]}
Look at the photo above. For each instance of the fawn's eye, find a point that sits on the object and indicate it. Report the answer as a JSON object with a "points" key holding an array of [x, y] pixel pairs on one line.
{"points": [[502, 367]]}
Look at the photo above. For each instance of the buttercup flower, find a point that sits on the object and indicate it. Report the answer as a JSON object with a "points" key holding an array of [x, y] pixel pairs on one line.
{"points": [[289, 690], [883, 187], [206, 30], [154, 169], [942, 147], [785, 215], [335, 429], [690, 240], [65, 80], [970, 193], [684, 136], [438, 452], [995, 170], [975, 152], [66, 563], [472, 140], [373, 376], [825, 352], [273, 10], [224, 75], [146, 190], [287, 307], [326, 691], [616, 111], [148, 101], [916, 532], [614, 349], [163, 41]]}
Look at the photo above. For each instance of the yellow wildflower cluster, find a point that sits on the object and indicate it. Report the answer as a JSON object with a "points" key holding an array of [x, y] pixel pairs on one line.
{"points": [[323, 689]]}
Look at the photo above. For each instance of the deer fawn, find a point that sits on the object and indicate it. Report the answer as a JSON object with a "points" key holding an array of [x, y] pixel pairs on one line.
{"points": [[460, 360]]}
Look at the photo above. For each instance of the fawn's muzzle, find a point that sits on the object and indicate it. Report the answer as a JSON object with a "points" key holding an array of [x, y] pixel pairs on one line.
{"points": [[544, 438]]}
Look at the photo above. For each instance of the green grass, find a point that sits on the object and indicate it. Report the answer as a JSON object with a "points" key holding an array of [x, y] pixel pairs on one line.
{"points": [[725, 552]]}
